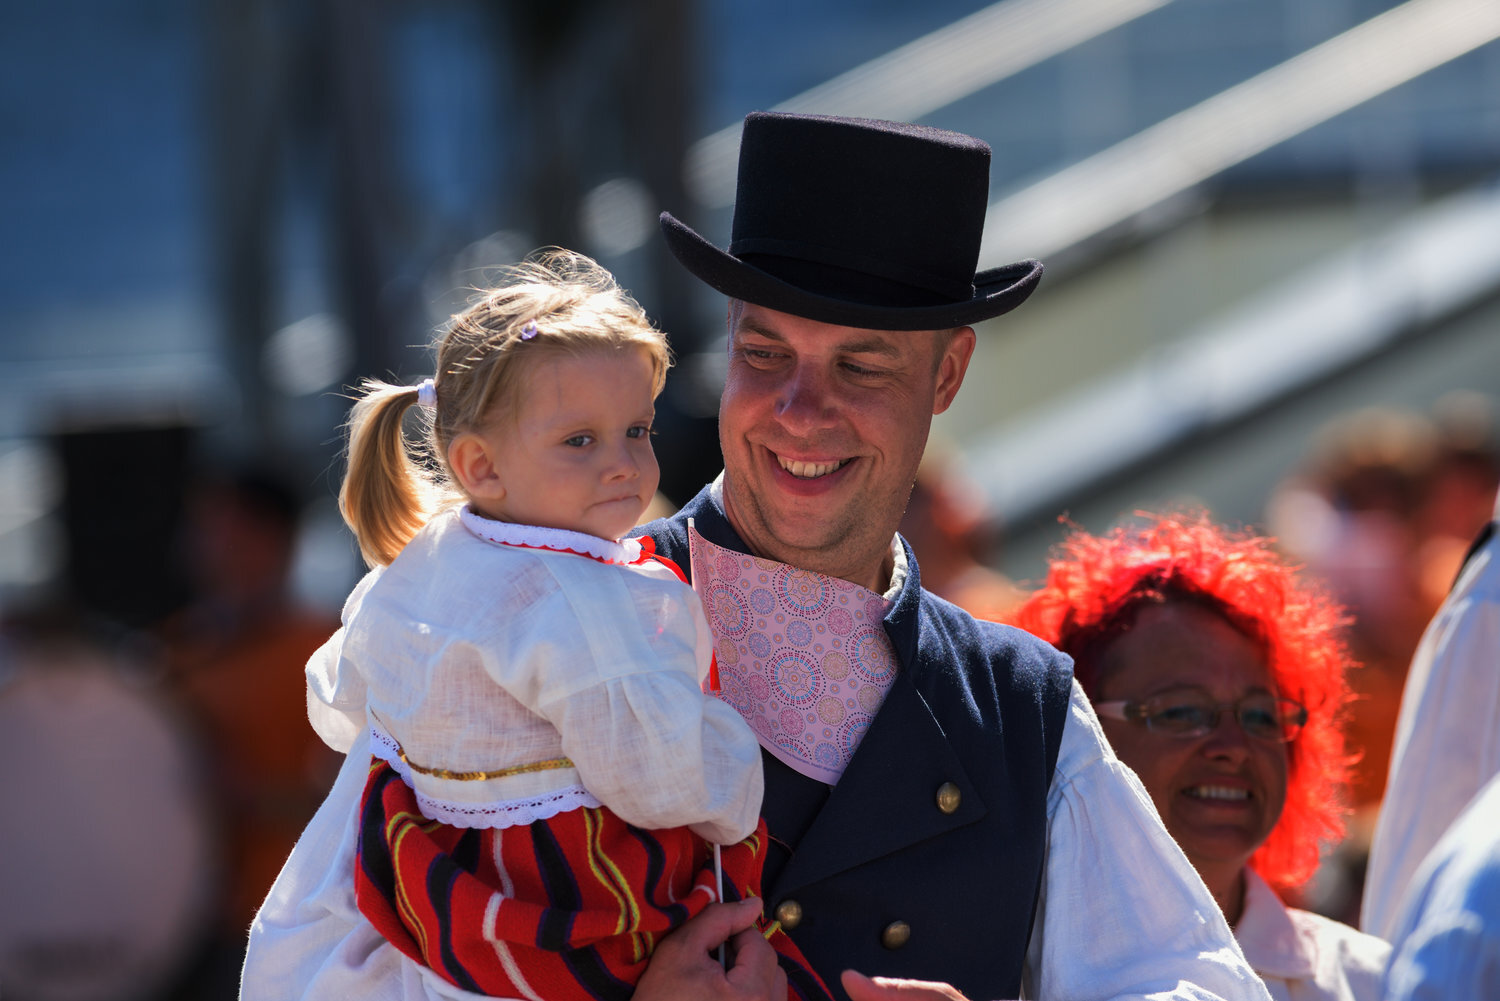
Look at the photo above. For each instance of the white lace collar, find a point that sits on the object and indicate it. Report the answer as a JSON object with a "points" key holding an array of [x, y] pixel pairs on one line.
{"points": [[507, 533]]}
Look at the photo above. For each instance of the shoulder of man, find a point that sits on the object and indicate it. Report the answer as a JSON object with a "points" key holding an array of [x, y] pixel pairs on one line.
{"points": [[1009, 683]]}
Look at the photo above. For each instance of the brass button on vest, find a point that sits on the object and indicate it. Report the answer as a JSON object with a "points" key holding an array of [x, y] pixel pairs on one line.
{"points": [[789, 913], [896, 934], [948, 797]]}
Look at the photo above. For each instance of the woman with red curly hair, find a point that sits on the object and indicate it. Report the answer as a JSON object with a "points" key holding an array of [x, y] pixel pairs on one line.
{"points": [[1218, 675]]}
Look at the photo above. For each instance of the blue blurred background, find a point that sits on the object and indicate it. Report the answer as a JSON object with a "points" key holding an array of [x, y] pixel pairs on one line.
{"points": [[1273, 289]]}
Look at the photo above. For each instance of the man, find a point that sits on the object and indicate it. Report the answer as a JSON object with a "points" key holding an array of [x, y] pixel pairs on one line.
{"points": [[970, 826]]}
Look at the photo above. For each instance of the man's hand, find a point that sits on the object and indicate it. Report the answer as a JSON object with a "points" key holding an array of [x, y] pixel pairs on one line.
{"points": [[863, 988], [685, 963]]}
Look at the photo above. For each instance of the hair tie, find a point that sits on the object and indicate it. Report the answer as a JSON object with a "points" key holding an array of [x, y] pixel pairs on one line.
{"points": [[427, 394], [528, 330]]}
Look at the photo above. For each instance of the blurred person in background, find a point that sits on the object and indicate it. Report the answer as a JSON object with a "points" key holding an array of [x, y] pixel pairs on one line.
{"points": [[1387, 504], [1457, 498], [107, 877], [1219, 675], [945, 523], [1448, 734], [1350, 518], [235, 655]]}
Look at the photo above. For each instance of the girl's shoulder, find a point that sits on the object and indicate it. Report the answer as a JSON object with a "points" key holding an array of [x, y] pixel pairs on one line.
{"points": [[507, 575]]}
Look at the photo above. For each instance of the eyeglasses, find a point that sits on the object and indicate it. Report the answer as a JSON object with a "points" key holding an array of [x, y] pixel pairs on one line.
{"points": [[1185, 714]]}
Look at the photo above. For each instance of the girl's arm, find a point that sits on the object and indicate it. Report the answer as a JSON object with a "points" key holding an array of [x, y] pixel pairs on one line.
{"points": [[622, 664]]}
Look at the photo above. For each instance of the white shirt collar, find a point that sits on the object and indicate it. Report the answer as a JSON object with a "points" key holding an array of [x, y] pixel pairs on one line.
{"points": [[1269, 939], [508, 533]]}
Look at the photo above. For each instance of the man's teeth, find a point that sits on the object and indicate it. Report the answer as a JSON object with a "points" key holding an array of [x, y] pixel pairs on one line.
{"points": [[809, 470], [1218, 792]]}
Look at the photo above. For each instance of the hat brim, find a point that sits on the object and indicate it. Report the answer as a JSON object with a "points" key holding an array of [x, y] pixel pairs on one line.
{"points": [[996, 291]]}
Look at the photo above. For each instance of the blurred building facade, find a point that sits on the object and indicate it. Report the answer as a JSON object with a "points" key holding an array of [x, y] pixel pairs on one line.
{"points": [[218, 216]]}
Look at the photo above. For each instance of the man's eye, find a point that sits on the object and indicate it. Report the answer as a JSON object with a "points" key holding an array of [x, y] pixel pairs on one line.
{"points": [[579, 440]]}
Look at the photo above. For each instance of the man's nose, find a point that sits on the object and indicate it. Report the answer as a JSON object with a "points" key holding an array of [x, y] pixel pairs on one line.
{"points": [[805, 401]]}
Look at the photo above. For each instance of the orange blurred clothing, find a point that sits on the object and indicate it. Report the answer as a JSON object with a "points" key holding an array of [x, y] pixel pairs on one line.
{"points": [[1370, 731], [1383, 642], [243, 678]]}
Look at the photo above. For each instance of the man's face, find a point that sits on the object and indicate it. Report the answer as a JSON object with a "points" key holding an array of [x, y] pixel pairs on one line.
{"points": [[822, 428]]}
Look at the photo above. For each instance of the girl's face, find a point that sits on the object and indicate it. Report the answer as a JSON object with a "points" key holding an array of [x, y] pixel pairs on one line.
{"points": [[578, 454], [1219, 794]]}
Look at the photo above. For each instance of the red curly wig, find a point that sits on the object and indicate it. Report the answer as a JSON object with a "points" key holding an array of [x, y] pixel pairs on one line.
{"points": [[1096, 586]]}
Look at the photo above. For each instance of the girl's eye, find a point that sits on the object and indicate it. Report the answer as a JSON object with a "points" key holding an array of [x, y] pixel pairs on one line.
{"points": [[579, 440], [639, 431]]}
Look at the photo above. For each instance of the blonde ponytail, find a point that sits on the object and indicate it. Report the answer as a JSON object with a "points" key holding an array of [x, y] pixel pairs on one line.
{"points": [[387, 495]]}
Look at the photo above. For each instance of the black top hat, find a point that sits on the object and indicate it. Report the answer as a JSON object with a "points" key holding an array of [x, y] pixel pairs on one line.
{"points": [[859, 223]]}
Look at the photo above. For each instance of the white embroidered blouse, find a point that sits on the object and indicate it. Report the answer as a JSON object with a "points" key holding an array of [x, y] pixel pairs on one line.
{"points": [[509, 673]]}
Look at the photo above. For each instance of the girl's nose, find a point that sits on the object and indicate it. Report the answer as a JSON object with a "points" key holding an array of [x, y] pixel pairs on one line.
{"points": [[622, 464]]}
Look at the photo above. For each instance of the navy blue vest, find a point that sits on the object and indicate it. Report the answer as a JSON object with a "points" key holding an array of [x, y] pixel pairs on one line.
{"points": [[976, 706]]}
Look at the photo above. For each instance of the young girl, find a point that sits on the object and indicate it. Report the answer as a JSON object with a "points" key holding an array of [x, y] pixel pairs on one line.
{"points": [[548, 775]]}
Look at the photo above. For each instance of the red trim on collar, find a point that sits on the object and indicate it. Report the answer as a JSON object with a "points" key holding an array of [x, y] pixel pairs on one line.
{"points": [[648, 552]]}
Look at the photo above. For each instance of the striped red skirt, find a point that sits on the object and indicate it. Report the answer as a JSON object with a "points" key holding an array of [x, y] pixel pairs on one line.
{"points": [[565, 909]]}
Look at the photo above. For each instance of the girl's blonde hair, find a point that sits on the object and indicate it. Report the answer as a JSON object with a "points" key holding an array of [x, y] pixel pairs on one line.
{"points": [[554, 303]]}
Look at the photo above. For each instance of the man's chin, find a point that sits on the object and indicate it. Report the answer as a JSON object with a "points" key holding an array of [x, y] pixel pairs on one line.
{"points": [[820, 545], [786, 539], [791, 518]]}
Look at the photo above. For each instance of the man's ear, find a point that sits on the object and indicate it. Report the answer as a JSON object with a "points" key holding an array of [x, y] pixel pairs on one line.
{"points": [[951, 368], [470, 459]]}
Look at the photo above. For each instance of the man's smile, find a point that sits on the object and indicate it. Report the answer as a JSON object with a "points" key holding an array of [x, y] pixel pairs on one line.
{"points": [[807, 470]]}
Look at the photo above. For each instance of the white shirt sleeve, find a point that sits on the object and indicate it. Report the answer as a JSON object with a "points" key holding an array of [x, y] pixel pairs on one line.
{"points": [[335, 690], [1447, 938], [1122, 913]]}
